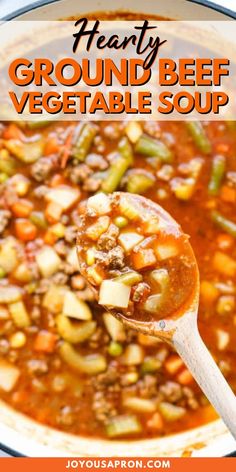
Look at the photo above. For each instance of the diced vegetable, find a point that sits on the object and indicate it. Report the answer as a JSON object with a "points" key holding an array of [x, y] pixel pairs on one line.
{"points": [[22, 273], [45, 341], [22, 208], [34, 125], [183, 188], [4, 313], [91, 364], [25, 230], [25, 152], [209, 293], [199, 136], [19, 314], [140, 405], [185, 377], [9, 375], [54, 298], [173, 364], [144, 258], [129, 240], [10, 294], [126, 150], [127, 209], [93, 276], [84, 141], [114, 294], [225, 304], [133, 355], [114, 327], [122, 425], [129, 278], [72, 258], [228, 194], [20, 184], [156, 422], [8, 255], [8, 165], [115, 349], [150, 365], [217, 174], [134, 131], [116, 171], [224, 223], [166, 250], [98, 228], [121, 221], [152, 226], [223, 339], [153, 147], [224, 264], [64, 196], [48, 261], [18, 340], [140, 182], [76, 308], [38, 219], [74, 333], [99, 203], [53, 212], [171, 412]]}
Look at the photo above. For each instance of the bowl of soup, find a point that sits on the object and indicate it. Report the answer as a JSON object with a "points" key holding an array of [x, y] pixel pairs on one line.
{"points": [[111, 391]]}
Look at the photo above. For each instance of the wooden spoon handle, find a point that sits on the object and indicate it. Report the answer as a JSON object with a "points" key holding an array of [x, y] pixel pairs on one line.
{"points": [[189, 345]]}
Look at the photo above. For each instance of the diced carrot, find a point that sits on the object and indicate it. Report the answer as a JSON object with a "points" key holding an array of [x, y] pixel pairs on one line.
{"points": [[51, 147], [25, 230], [45, 341], [224, 264], [209, 293], [53, 212], [13, 132], [151, 226], [228, 194], [184, 377], [22, 208], [143, 258], [225, 241], [156, 422], [21, 396], [50, 238], [56, 180], [173, 363], [222, 148]]}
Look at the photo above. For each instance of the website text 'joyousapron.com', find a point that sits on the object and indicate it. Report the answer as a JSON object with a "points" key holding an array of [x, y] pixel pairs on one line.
{"points": [[118, 464]]}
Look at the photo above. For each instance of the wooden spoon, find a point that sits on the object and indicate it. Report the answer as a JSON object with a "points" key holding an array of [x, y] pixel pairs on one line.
{"points": [[178, 328]]}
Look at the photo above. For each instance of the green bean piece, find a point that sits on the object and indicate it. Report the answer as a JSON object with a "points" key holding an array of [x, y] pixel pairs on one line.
{"points": [[153, 148], [74, 333], [84, 142], [223, 223], [91, 364], [2, 273], [125, 150], [139, 183], [115, 174], [115, 349], [34, 125], [217, 174], [122, 425], [150, 365], [129, 278], [38, 219], [199, 136]]}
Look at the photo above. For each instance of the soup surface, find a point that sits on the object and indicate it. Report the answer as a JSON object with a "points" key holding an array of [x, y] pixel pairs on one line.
{"points": [[65, 362]]}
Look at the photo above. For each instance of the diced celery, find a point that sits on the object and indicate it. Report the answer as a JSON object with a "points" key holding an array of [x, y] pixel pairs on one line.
{"points": [[166, 250], [129, 278], [122, 425], [171, 412], [76, 308], [74, 333], [10, 294], [25, 152], [133, 130], [91, 364], [98, 228], [114, 294], [38, 219]]}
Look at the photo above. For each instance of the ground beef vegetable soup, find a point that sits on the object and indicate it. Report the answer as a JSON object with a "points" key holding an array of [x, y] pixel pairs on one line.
{"points": [[151, 272], [63, 360]]}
